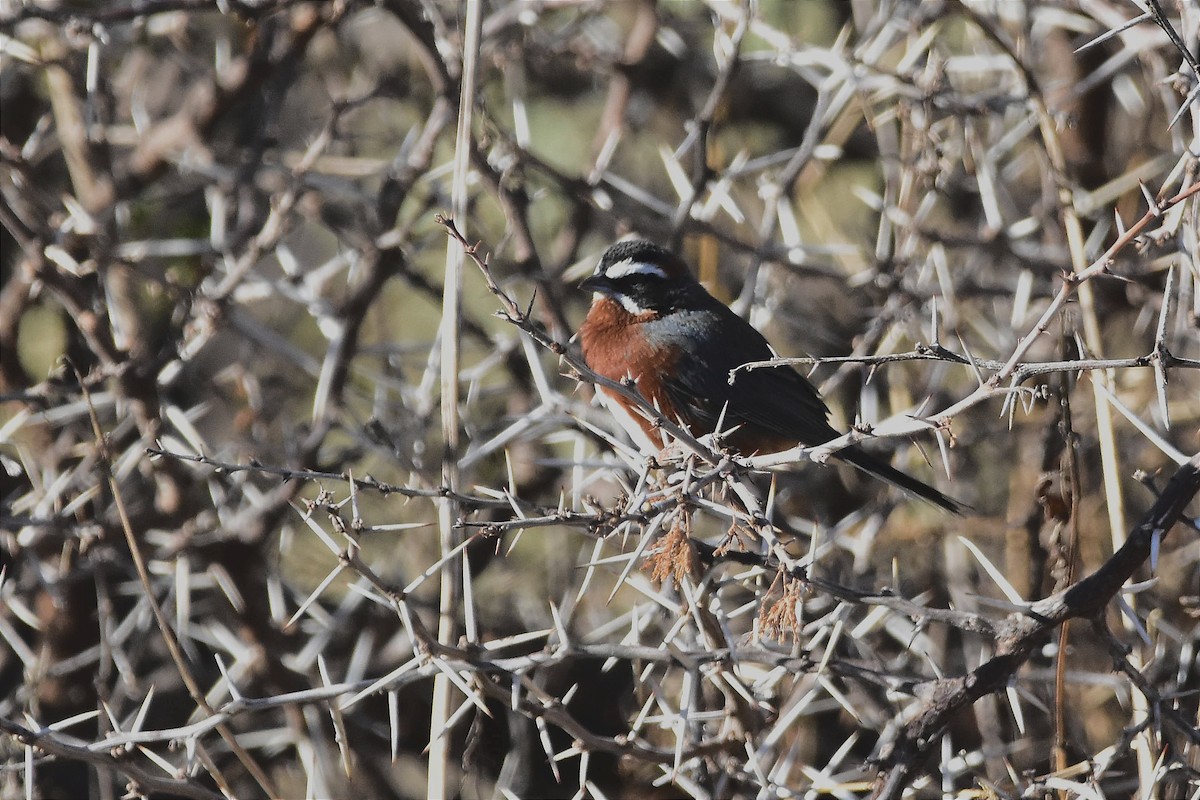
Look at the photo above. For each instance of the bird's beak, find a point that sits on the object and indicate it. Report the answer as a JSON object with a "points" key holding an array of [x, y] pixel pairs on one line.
{"points": [[596, 283]]}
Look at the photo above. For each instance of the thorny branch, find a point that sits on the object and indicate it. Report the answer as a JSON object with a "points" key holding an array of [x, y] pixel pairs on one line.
{"points": [[218, 550], [903, 752]]}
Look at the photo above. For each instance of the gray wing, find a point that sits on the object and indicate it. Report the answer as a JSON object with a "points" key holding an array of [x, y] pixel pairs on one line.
{"points": [[777, 399]]}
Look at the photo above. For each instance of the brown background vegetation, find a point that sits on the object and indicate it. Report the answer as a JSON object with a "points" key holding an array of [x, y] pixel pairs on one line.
{"points": [[245, 434]]}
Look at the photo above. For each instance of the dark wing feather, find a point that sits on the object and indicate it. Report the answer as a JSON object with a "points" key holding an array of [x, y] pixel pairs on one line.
{"points": [[778, 400]]}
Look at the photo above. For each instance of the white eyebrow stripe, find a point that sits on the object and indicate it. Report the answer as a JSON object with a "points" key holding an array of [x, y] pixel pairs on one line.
{"points": [[628, 267]]}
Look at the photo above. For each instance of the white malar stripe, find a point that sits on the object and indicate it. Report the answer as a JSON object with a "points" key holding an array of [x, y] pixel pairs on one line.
{"points": [[629, 304], [628, 267]]}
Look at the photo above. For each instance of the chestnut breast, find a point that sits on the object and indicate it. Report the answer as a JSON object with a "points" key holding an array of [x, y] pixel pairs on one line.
{"points": [[681, 363], [618, 345]]}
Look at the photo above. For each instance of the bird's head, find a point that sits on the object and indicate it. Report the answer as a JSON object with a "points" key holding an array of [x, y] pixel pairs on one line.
{"points": [[642, 277]]}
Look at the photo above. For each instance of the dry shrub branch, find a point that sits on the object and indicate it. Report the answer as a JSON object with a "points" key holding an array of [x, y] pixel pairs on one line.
{"points": [[262, 488]]}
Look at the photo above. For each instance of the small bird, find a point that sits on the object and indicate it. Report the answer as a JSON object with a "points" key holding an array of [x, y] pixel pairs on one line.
{"points": [[652, 321]]}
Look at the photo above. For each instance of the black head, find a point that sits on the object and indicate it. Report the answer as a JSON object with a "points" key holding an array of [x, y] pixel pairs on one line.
{"points": [[643, 277]]}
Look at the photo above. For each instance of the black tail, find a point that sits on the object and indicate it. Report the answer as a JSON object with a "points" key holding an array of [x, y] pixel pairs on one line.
{"points": [[886, 472]]}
